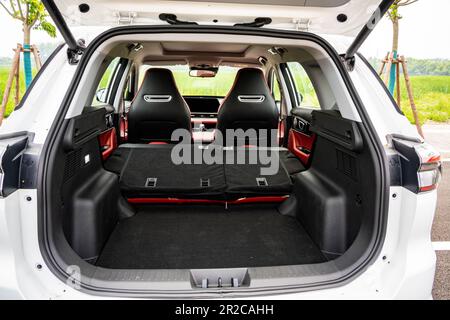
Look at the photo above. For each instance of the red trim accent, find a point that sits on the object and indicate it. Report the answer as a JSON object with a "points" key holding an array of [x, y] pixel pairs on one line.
{"points": [[436, 158], [158, 142], [123, 127], [298, 141], [281, 128], [428, 188], [259, 199], [210, 201], [108, 139]]}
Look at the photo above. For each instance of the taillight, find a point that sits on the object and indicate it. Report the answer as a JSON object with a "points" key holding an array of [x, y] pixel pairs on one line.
{"points": [[419, 162], [429, 172]]}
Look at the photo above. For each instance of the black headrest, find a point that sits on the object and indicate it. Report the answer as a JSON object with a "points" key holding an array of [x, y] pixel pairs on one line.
{"points": [[249, 104], [158, 108], [159, 81], [249, 81]]}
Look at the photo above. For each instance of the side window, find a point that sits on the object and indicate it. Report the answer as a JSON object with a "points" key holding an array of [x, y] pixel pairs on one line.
{"points": [[129, 91], [103, 88], [275, 86], [303, 86], [275, 89], [130, 87]]}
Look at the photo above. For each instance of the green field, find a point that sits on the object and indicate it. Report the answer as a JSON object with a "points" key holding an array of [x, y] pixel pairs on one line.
{"points": [[432, 93], [432, 98], [4, 72]]}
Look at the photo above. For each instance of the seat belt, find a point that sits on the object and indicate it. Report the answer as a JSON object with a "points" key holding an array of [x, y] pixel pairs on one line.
{"points": [[123, 122]]}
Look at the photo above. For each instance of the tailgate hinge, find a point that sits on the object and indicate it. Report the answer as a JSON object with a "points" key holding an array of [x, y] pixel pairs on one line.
{"points": [[302, 24], [73, 55], [125, 17], [349, 62]]}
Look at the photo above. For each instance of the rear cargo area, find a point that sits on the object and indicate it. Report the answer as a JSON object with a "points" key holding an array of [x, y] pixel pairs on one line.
{"points": [[208, 236], [138, 214]]}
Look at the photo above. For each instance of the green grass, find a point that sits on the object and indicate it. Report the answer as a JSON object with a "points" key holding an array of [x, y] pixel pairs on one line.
{"points": [[431, 93], [4, 73], [431, 96], [222, 82]]}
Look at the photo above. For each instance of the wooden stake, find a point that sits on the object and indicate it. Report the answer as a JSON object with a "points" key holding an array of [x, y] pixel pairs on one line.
{"points": [[9, 83], [388, 69], [383, 64], [410, 95], [37, 57], [17, 96], [399, 96]]}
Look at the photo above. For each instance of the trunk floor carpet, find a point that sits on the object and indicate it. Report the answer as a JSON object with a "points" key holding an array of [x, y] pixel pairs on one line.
{"points": [[196, 237]]}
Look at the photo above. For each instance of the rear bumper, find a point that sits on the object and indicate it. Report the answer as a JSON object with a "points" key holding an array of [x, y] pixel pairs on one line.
{"points": [[381, 282], [413, 283]]}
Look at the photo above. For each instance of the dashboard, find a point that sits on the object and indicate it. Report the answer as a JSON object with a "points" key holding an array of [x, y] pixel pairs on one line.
{"points": [[203, 116], [203, 107]]}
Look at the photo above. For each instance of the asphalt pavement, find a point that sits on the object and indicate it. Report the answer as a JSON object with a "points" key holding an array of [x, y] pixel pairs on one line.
{"points": [[439, 137]]}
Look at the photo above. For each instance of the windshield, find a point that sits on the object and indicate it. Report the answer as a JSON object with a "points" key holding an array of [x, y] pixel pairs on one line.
{"points": [[217, 86]]}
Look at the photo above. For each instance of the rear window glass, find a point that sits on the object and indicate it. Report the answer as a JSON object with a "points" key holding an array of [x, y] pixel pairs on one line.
{"points": [[103, 88], [303, 86], [194, 86]]}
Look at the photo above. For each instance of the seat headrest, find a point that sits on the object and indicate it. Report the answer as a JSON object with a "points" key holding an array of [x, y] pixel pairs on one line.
{"points": [[159, 82], [158, 109], [249, 105], [250, 82]]}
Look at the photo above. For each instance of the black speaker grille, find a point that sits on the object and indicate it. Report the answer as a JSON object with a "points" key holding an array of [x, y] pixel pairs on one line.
{"points": [[346, 163], [73, 164]]}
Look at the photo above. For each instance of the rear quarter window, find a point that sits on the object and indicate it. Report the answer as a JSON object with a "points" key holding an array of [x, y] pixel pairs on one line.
{"points": [[303, 86]]}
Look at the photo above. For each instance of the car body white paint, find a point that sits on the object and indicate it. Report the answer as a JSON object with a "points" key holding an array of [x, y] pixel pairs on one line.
{"points": [[298, 16]]}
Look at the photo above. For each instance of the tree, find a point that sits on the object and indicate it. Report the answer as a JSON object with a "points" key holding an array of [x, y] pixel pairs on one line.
{"points": [[395, 16], [400, 62], [32, 15]]}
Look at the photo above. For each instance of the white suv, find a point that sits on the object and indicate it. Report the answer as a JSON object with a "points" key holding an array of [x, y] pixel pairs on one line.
{"points": [[99, 198]]}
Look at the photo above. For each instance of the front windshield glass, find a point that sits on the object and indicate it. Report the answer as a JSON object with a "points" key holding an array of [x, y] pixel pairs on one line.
{"points": [[217, 86]]}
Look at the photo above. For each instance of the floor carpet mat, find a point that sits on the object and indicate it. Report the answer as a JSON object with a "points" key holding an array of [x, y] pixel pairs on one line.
{"points": [[193, 237]]}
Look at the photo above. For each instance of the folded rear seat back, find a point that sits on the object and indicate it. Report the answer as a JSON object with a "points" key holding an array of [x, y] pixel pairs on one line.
{"points": [[251, 175], [116, 162], [149, 171]]}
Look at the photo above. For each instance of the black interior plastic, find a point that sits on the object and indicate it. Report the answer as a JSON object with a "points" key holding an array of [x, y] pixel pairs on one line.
{"points": [[336, 191], [202, 106]]}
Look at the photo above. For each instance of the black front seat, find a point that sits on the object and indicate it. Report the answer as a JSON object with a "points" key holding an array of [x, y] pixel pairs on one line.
{"points": [[158, 109], [249, 105]]}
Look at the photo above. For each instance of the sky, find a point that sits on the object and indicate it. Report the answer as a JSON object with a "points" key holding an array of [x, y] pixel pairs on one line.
{"points": [[423, 32]]}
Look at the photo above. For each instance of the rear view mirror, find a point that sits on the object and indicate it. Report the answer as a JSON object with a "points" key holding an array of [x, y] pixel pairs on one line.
{"points": [[101, 95], [203, 73]]}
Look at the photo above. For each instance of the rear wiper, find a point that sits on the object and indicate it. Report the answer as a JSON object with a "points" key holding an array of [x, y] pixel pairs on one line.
{"points": [[258, 23], [172, 19]]}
